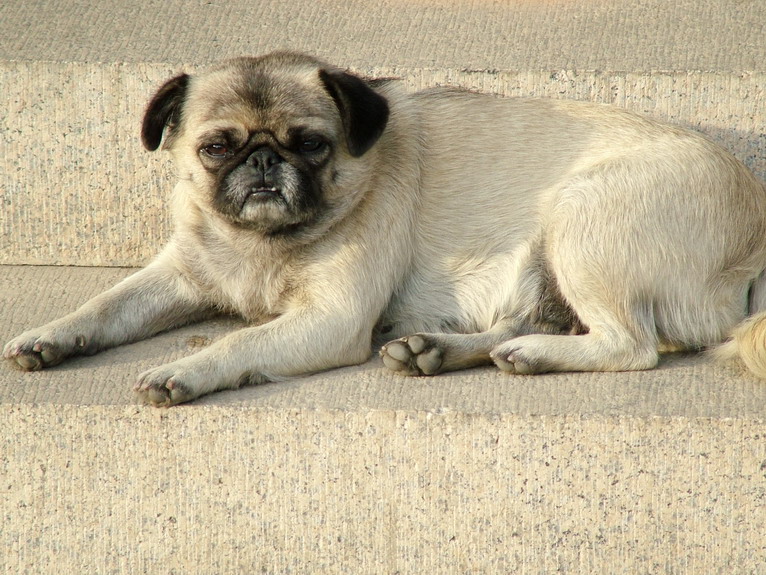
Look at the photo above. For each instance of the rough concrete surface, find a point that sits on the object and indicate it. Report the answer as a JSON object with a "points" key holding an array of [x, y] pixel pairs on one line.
{"points": [[78, 189], [89, 194], [358, 470], [621, 35], [684, 385], [210, 490]]}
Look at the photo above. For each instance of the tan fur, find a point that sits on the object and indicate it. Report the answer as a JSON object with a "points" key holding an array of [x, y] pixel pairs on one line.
{"points": [[541, 235]]}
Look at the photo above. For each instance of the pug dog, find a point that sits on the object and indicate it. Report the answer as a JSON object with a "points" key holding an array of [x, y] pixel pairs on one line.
{"points": [[335, 213]]}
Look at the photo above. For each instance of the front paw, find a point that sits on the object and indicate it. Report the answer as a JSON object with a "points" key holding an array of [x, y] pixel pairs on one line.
{"points": [[412, 355], [165, 386], [35, 350]]}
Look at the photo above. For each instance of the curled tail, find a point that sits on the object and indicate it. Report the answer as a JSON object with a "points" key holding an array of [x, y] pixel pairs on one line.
{"points": [[747, 342]]}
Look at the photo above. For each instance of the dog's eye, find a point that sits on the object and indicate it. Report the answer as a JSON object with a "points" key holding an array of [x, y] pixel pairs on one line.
{"points": [[311, 145], [216, 150]]}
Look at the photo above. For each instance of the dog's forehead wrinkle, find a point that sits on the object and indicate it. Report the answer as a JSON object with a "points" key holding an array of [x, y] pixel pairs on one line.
{"points": [[252, 129], [244, 120], [261, 100], [263, 86]]}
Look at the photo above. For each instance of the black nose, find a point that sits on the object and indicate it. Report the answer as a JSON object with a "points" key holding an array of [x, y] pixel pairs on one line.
{"points": [[263, 158]]}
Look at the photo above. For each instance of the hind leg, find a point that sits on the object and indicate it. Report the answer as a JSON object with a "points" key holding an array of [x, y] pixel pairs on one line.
{"points": [[640, 267], [606, 258], [594, 351], [693, 316], [621, 334], [432, 353]]}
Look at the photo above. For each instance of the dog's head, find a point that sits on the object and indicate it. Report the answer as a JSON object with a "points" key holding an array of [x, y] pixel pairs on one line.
{"points": [[265, 141]]}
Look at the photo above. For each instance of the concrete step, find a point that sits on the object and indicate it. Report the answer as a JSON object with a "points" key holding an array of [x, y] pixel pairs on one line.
{"points": [[355, 470], [358, 470], [685, 385], [78, 189]]}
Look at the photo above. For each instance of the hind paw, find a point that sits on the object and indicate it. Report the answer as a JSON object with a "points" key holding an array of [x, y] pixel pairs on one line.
{"points": [[413, 355]]}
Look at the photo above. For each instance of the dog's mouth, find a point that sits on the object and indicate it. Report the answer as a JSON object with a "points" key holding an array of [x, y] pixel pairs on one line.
{"points": [[263, 194]]}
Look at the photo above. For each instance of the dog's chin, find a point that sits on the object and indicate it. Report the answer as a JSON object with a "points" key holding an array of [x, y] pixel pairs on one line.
{"points": [[261, 200], [265, 210]]}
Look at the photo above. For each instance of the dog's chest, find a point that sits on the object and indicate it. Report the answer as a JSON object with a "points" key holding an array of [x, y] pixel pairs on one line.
{"points": [[256, 295], [250, 287]]}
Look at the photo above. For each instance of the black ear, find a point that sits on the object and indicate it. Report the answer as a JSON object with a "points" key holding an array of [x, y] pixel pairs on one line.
{"points": [[364, 112], [163, 111]]}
